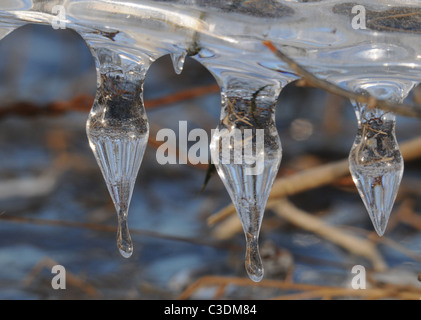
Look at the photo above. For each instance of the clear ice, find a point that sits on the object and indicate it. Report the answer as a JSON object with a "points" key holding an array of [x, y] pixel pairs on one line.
{"points": [[226, 37], [376, 164], [118, 132], [178, 59], [248, 172], [375, 161]]}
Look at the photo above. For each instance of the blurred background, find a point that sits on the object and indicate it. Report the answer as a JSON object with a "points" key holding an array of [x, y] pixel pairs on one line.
{"points": [[55, 208]]}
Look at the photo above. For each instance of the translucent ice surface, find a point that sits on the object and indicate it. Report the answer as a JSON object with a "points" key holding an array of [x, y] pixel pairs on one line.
{"points": [[375, 161], [118, 132], [246, 150]]}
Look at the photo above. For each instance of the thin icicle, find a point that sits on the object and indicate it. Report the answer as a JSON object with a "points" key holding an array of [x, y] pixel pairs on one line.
{"points": [[246, 151], [118, 132]]}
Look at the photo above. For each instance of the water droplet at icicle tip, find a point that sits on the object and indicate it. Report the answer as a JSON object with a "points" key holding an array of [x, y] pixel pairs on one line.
{"points": [[253, 263], [375, 161], [118, 132], [246, 151], [178, 60], [124, 241]]}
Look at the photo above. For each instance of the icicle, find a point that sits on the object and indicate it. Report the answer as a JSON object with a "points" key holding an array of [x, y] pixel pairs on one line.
{"points": [[178, 59], [246, 158], [118, 132], [375, 161]]}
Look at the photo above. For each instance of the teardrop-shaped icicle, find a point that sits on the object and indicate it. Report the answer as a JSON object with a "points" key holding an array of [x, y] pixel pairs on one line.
{"points": [[375, 161], [178, 59], [246, 151], [118, 132]]}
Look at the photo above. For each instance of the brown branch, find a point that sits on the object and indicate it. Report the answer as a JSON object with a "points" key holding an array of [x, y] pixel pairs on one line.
{"points": [[355, 245], [207, 281], [104, 228], [83, 103], [71, 278], [312, 80], [373, 237], [187, 94], [373, 294], [306, 221], [313, 291]]}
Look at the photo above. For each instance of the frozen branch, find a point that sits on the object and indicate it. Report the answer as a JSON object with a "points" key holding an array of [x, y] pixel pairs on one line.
{"points": [[312, 80]]}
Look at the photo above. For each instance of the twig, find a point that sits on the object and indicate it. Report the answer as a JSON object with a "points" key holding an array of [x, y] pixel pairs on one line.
{"points": [[405, 206], [242, 282], [104, 228], [83, 103], [309, 290], [358, 246], [190, 93], [311, 79], [316, 177], [232, 226], [71, 279], [228, 228], [407, 215], [372, 236], [371, 294], [398, 247]]}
